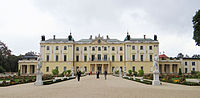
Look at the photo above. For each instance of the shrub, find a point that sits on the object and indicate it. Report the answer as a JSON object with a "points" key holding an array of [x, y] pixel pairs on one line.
{"points": [[117, 72], [141, 73], [135, 73], [130, 72], [179, 72], [198, 74], [68, 72], [193, 72], [55, 71]]}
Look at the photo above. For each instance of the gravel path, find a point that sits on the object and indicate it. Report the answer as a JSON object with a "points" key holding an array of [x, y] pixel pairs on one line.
{"points": [[90, 87]]}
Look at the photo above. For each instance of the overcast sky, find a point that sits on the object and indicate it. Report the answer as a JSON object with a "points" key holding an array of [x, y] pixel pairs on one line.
{"points": [[22, 22]]}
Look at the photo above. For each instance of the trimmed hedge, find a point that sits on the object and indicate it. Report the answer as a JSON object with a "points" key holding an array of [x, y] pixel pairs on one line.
{"points": [[48, 82], [138, 80]]}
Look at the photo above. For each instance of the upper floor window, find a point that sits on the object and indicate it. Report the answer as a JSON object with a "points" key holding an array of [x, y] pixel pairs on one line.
{"points": [[150, 47], [99, 57], [47, 47], [85, 58], [193, 63], [185, 63], [113, 48], [141, 57], [133, 57], [133, 47], [99, 48], [47, 58], [65, 58], [150, 57], [113, 58], [56, 58], [93, 48], [141, 47], [93, 57], [56, 47], [121, 48], [85, 48], [77, 58], [121, 58], [105, 57], [105, 48], [77, 48], [65, 47]]}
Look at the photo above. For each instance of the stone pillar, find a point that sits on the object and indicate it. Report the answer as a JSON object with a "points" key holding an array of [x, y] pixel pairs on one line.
{"points": [[102, 68], [170, 68], [163, 68]]}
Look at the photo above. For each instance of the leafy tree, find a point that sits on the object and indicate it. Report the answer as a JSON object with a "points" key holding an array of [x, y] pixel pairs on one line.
{"points": [[196, 56], [55, 71], [141, 73], [196, 26], [2, 69], [130, 72], [180, 55]]}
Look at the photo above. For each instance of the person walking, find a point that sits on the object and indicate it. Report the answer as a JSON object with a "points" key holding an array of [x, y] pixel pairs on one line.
{"points": [[78, 75], [97, 74], [105, 74]]}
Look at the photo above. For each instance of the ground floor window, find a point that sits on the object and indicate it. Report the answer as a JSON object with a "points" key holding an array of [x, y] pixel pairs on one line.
{"points": [[185, 70], [141, 67], [121, 69], [113, 69], [47, 69], [65, 68], [85, 69], [193, 69], [133, 68]]}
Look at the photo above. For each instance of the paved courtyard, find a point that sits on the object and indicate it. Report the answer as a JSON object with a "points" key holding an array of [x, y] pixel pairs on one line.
{"points": [[90, 87]]}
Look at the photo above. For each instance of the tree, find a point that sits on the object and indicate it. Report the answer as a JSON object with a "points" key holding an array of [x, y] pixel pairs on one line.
{"points": [[180, 55], [196, 56], [55, 71], [196, 26], [141, 73]]}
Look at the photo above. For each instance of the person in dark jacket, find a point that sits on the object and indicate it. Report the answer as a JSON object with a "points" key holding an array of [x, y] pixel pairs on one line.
{"points": [[105, 74], [97, 74], [78, 75]]}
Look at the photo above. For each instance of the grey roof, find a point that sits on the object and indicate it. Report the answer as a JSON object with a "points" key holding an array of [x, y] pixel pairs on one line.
{"points": [[64, 40], [141, 39]]}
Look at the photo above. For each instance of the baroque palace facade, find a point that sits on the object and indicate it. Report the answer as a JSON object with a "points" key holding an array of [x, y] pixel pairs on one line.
{"points": [[100, 54]]}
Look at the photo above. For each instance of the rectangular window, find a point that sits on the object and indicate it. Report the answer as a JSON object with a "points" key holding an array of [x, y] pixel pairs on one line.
{"points": [[133, 57], [77, 48], [141, 47], [99, 57], [105, 48], [113, 58], [85, 48], [141, 67], [93, 48], [150, 47], [47, 47], [133, 68], [93, 57], [193, 63], [56, 58], [77, 58], [185, 63], [47, 58], [65, 47], [150, 57], [141, 57], [65, 58], [56, 67], [185, 70], [113, 48], [121, 58], [47, 69], [105, 57], [113, 69], [121, 48], [133, 47], [65, 68], [193, 69], [85, 58], [56, 47], [99, 48]]}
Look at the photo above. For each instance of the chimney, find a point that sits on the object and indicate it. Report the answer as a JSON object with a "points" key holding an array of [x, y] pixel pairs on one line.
{"points": [[90, 36], [43, 38], [155, 37], [54, 37], [107, 37], [144, 36]]}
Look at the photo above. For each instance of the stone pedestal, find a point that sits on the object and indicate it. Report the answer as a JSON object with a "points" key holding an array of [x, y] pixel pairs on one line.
{"points": [[38, 81], [134, 77], [124, 71], [73, 71], [156, 80], [120, 72], [114, 71]]}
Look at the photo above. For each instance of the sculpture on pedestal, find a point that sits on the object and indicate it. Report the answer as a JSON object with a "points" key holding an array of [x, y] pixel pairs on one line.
{"points": [[120, 72], [156, 72], [39, 73], [72, 71], [124, 71]]}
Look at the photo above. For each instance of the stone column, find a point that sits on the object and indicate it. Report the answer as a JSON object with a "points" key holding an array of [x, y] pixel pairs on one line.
{"points": [[170, 68], [28, 69], [163, 68]]}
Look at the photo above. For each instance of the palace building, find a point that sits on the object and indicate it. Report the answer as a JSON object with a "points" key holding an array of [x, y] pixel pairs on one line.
{"points": [[100, 54]]}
